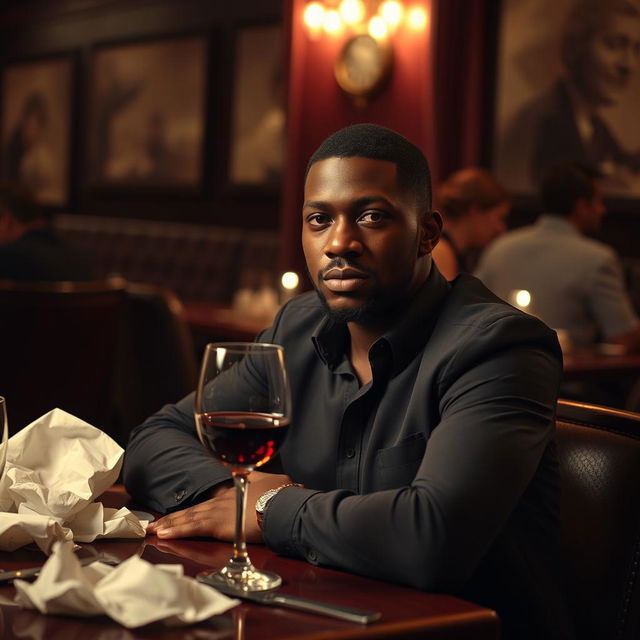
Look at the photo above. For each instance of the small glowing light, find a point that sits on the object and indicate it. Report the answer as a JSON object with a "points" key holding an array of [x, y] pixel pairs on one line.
{"points": [[378, 27], [522, 298], [352, 11], [417, 18], [391, 11], [313, 15], [332, 21], [290, 280]]}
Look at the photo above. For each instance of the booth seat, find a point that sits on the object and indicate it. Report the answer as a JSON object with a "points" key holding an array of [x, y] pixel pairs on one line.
{"points": [[196, 262]]}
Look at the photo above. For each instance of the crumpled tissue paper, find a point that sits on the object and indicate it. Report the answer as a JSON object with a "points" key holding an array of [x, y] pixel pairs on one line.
{"points": [[55, 468], [134, 593]]}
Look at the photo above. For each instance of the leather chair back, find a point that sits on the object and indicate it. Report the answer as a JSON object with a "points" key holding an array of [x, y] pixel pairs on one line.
{"points": [[157, 362], [599, 455], [58, 345]]}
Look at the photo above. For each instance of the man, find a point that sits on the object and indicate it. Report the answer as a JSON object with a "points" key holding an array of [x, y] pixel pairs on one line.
{"points": [[29, 247], [575, 283], [423, 410], [600, 50]]}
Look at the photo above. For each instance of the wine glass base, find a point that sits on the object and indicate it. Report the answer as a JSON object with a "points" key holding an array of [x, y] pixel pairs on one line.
{"points": [[245, 580]]}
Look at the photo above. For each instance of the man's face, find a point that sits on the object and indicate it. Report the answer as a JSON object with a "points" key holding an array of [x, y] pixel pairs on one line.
{"points": [[365, 243], [611, 57]]}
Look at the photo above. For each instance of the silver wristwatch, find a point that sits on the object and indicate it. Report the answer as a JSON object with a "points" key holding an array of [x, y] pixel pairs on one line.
{"points": [[263, 500]]}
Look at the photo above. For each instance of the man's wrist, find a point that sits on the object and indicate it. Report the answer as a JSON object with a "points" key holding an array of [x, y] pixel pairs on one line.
{"points": [[266, 497]]}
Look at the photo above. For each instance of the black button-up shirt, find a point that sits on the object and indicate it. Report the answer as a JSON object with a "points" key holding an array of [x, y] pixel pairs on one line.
{"points": [[439, 473]]}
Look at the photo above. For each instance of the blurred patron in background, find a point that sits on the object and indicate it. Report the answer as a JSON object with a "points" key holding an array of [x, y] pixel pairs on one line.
{"points": [[575, 283], [30, 249], [474, 207]]}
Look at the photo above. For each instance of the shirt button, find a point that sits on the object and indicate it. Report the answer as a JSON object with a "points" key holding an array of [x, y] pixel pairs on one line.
{"points": [[351, 453], [180, 495], [312, 557]]}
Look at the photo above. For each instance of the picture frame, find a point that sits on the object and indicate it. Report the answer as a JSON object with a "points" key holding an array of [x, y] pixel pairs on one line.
{"points": [[256, 148], [146, 121], [562, 96], [36, 127]]}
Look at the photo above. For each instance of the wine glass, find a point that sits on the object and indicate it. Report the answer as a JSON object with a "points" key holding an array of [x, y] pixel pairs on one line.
{"points": [[242, 412]]}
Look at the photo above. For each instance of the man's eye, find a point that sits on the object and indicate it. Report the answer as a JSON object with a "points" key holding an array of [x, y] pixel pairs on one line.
{"points": [[318, 220], [372, 217]]}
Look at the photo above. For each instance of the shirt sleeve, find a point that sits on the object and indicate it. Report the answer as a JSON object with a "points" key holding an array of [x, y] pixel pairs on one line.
{"points": [[497, 400], [609, 300], [165, 466]]}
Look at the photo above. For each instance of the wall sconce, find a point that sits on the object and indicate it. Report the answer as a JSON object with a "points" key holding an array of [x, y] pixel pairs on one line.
{"points": [[364, 63]]}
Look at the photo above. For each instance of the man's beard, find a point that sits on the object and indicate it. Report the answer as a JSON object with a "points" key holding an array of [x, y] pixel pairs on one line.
{"points": [[381, 307]]}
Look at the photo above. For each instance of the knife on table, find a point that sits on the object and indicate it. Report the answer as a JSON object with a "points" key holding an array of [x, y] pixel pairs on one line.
{"points": [[277, 599], [32, 573]]}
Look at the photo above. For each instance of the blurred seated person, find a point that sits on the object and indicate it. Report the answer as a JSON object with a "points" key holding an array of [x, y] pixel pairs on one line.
{"points": [[576, 283], [474, 207], [30, 249]]}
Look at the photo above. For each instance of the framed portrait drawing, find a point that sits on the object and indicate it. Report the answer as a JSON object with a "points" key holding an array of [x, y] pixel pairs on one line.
{"points": [[256, 155], [36, 127], [568, 90], [146, 114]]}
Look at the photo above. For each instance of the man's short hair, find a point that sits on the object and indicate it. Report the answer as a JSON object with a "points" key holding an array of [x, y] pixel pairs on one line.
{"points": [[19, 200], [564, 184], [379, 143], [468, 187]]}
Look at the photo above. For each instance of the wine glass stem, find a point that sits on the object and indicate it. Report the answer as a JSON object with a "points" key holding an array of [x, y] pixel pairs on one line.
{"points": [[240, 555]]}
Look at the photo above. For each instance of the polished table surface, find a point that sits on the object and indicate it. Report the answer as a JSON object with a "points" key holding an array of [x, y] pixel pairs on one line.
{"points": [[406, 613]]}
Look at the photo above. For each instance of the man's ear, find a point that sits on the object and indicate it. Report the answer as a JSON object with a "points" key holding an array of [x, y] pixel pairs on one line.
{"points": [[430, 230]]}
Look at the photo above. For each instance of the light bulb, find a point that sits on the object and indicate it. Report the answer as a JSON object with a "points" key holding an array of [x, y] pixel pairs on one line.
{"points": [[352, 11], [332, 21], [391, 11], [417, 18], [313, 15], [289, 280], [378, 27]]}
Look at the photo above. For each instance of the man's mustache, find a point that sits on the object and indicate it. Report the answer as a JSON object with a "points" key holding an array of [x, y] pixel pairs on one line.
{"points": [[343, 263]]}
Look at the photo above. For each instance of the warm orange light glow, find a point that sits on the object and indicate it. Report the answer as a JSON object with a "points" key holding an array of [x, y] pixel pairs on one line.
{"points": [[332, 22], [378, 27], [313, 15], [352, 11], [417, 18], [391, 11]]}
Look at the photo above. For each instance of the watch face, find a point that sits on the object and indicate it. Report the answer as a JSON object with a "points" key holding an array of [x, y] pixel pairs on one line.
{"points": [[362, 65]]}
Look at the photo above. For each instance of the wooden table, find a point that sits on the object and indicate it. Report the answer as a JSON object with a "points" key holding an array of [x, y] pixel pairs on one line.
{"points": [[210, 322], [584, 364], [406, 613]]}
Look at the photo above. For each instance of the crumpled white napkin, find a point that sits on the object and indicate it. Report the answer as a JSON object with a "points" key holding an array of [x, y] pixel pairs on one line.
{"points": [[134, 594], [54, 470]]}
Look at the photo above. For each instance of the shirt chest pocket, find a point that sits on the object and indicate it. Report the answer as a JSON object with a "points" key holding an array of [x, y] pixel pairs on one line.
{"points": [[397, 466]]}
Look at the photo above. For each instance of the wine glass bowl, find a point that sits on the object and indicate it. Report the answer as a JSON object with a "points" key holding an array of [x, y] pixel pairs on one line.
{"points": [[242, 413]]}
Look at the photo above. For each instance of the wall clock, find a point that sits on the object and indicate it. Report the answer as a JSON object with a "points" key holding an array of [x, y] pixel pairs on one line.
{"points": [[362, 67]]}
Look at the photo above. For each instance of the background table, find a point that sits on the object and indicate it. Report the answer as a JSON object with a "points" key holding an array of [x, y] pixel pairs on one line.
{"points": [[406, 613]]}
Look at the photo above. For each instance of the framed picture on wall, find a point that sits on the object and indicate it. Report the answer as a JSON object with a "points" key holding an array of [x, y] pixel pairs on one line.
{"points": [[36, 127], [568, 90], [256, 156], [146, 114]]}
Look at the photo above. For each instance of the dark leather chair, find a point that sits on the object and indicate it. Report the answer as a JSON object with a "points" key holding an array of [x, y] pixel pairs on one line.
{"points": [[599, 454], [58, 344], [157, 362]]}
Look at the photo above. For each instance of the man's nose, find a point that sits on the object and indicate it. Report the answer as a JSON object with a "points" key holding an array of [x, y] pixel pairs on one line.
{"points": [[343, 239]]}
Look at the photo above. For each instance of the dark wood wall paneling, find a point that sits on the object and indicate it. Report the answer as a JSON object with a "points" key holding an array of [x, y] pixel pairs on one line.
{"points": [[37, 28]]}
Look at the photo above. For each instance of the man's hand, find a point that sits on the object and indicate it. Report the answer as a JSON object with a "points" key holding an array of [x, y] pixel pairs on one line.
{"points": [[216, 517]]}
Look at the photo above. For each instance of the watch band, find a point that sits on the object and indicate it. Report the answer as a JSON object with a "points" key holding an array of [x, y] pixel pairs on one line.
{"points": [[263, 500]]}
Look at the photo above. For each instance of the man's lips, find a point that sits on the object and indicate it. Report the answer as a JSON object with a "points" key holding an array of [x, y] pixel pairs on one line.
{"points": [[347, 279]]}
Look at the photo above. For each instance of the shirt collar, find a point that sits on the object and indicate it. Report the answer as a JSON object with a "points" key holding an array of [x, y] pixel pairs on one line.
{"points": [[557, 223], [405, 338]]}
